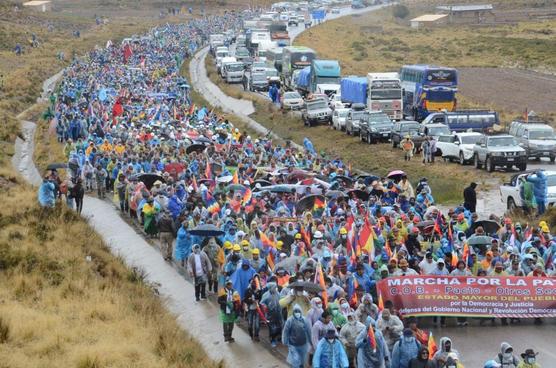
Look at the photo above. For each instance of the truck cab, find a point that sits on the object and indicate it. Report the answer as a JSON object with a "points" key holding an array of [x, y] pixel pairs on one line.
{"points": [[510, 192], [233, 72]]}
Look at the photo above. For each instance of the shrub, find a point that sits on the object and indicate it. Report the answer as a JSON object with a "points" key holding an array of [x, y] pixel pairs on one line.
{"points": [[400, 11]]}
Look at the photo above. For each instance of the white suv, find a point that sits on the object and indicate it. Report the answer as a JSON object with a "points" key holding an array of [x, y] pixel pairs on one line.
{"points": [[458, 146], [511, 192]]}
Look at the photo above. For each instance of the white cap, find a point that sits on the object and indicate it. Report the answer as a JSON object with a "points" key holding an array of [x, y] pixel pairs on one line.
{"points": [[317, 235]]}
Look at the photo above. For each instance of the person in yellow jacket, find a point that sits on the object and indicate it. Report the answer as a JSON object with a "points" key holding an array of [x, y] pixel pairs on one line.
{"points": [[106, 146], [119, 148]]}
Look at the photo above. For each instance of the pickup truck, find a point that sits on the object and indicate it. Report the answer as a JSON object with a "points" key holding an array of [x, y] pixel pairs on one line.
{"points": [[457, 146], [499, 150], [316, 111], [510, 192], [255, 81], [354, 117]]}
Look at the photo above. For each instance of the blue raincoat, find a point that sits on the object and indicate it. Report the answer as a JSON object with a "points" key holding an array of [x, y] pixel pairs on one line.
{"points": [[297, 337], [184, 242], [366, 357], [330, 355], [241, 278], [46, 194]]}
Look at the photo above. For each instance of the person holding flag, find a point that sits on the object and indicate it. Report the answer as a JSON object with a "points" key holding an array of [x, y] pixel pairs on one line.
{"points": [[372, 351], [252, 300]]}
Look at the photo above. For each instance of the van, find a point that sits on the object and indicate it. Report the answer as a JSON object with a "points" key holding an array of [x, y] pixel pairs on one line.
{"points": [[465, 120], [224, 61], [537, 139]]}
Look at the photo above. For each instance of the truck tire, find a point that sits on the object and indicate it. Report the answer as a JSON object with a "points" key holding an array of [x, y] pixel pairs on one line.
{"points": [[552, 159], [489, 166], [511, 204], [522, 167], [476, 161]]}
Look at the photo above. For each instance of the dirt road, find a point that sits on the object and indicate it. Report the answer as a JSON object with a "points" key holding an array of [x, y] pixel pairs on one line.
{"points": [[509, 89]]}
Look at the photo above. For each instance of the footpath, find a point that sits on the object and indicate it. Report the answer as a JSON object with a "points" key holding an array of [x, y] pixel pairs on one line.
{"points": [[200, 320]]}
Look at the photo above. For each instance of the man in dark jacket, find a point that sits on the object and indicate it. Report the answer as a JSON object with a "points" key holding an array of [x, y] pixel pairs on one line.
{"points": [[166, 231], [470, 198]]}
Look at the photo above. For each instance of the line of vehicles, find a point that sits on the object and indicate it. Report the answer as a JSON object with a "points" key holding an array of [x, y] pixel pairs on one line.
{"points": [[418, 101]]}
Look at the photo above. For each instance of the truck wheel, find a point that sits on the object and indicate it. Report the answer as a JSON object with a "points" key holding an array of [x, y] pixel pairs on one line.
{"points": [[511, 204], [522, 167], [461, 159], [489, 166], [477, 162], [552, 159], [361, 137]]}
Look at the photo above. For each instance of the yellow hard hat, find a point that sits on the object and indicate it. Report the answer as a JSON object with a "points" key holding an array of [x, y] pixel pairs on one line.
{"points": [[343, 231], [542, 224], [279, 244], [298, 236], [244, 242], [255, 251], [237, 247], [228, 244], [545, 229]]}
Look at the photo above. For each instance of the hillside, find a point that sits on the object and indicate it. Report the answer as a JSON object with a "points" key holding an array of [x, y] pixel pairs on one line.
{"points": [[65, 300]]}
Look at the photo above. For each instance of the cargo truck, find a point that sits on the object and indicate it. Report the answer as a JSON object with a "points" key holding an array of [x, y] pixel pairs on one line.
{"points": [[323, 76]]}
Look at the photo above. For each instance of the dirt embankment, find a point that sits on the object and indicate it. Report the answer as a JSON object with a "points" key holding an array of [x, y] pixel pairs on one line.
{"points": [[510, 89]]}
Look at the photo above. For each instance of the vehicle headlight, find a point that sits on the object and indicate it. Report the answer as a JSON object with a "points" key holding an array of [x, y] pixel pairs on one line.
{"points": [[373, 130], [521, 153]]}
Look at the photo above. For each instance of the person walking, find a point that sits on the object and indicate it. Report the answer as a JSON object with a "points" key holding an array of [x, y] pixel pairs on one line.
{"points": [[529, 359], [252, 301], [405, 349], [150, 210], [506, 356], [46, 193], [166, 231], [369, 356], [422, 359], [426, 148], [100, 177], [199, 267], [470, 198], [78, 192], [330, 352], [348, 335], [297, 337], [230, 307], [271, 299]]}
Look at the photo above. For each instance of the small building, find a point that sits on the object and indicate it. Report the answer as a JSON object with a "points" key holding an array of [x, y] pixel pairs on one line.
{"points": [[39, 5], [468, 13], [427, 20]]}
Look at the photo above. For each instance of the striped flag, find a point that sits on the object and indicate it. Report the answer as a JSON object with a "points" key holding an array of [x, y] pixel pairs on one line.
{"points": [[235, 178], [247, 196], [380, 303], [431, 345], [208, 171], [372, 338], [270, 261], [320, 276]]}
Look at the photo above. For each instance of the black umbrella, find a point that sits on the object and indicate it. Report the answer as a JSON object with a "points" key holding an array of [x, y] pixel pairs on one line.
{"points": [[346, 180], [308, 202], [262, 182], [202, 140], [206, 230], [149, 179], [335, 194], [368, 179], [490, 227], [57, 165], [196, 147], [358, 193], [310, 287], [277, 189]]}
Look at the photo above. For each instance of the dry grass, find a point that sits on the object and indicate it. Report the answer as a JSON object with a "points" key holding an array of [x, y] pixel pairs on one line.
{"points": [[447, 180], [61, 309], [65, 300]]}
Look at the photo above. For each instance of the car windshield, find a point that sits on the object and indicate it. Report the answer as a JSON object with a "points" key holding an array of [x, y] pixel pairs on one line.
{"points": [[470, 139], [271, 73], [501, 141], [316, 105], [235, 67], [439, 131], [410, 127], [541, 134], [292, 95], [386, 94], [379, 119], [343, 113], [259, 77], [356, 115]]}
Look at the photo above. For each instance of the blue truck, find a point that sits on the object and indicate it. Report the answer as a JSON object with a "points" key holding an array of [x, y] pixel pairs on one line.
{"points": [[354, 90], [323, 77]]}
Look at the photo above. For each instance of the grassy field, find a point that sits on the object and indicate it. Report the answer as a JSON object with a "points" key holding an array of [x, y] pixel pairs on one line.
{"points": [[377, 159], [66, 301], [378, 43]]}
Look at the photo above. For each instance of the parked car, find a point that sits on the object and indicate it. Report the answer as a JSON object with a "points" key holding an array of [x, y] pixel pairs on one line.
{"points": [[255, 81], [510, 192], [537, 139], [406, 128], [457, 146], [336, 102], [375, 127], [499, 150], [292, 101], [339, 119], [354, 116], [316, 111]]}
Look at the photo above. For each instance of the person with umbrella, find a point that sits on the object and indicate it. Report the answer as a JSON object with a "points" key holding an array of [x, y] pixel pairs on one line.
{"points": [[297, 337]]}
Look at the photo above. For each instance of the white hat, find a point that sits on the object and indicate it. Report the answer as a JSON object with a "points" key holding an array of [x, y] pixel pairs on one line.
{"points": [[317, 235]]}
